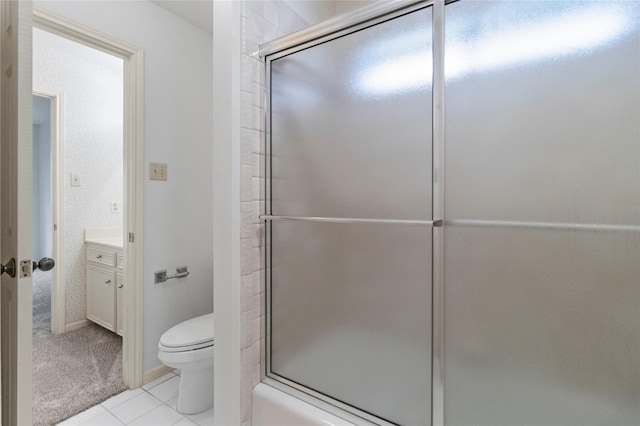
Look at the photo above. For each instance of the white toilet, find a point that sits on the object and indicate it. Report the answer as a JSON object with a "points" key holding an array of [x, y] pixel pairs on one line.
{"points": [[188, 346]]}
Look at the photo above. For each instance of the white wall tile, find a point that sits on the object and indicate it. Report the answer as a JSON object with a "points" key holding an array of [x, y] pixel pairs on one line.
{"points": [[246, 143], [256, 282], [245, 293], [246, 333], [247, 219], [246, 256], [246, 183]]}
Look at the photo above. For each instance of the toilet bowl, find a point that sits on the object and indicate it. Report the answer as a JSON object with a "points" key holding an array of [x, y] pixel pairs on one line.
{"points": [[188, 346]]}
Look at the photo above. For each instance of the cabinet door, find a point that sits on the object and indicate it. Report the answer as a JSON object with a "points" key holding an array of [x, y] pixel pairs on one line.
{"points": [[101, 297], [119, 305]]}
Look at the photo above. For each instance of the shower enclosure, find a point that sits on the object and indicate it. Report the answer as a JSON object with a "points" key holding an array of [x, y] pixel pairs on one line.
{"points": [[453, 213]]}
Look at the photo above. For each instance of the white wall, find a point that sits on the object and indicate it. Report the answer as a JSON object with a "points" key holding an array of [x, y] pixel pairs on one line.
{"points": [[92, 83], [178, 131]]}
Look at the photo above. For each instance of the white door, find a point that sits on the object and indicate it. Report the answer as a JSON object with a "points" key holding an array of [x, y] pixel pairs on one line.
{"points": [[15, 221]]}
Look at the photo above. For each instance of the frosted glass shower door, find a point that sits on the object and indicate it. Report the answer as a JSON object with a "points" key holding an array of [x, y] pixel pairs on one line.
{"points": [[350, 293], [542, 234]]}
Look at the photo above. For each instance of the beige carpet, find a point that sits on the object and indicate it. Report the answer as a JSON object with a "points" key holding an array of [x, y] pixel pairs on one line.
{"points": [[71, 371]]}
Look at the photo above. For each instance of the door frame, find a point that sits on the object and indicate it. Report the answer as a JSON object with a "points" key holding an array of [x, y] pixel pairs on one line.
{"points": [[16, 199], [56, 100], [133, 138]]}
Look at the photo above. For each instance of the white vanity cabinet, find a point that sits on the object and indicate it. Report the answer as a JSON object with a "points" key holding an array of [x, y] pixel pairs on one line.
{"points": [[105, 282], [101, 296]]}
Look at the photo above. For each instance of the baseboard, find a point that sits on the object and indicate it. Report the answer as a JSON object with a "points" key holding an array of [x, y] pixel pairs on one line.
{"points": [[154, 373], [76, 325]]}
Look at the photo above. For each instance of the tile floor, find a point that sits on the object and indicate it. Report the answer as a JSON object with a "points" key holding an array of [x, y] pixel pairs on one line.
{"points": [[154, 404]]}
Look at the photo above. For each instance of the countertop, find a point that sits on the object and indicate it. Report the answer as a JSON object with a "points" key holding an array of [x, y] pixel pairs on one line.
{"points": [[111, 242]]}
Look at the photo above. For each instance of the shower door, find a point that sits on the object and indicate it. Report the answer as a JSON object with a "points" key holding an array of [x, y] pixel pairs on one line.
{"points": [[349, 218], [542, 229]]}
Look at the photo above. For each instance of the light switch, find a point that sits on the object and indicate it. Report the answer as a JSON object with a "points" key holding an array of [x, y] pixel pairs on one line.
{"points": [[75, 179], [115, 209], [157, 171]]}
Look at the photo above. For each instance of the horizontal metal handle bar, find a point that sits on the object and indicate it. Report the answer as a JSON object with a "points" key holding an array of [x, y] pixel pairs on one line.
{"points": [[544, 225], [435, 223], [161, 276], [178, 275]]}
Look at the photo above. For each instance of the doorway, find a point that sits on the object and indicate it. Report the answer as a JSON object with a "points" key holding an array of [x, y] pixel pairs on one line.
{"points": [[84, 356], [132, 138], [42, 217]]}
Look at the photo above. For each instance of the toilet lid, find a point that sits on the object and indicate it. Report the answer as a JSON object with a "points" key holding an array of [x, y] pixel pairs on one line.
{"points": [[195, 331]]}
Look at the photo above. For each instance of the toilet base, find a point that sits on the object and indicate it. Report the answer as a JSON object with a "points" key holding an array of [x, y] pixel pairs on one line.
{"points": [[195, 394]]}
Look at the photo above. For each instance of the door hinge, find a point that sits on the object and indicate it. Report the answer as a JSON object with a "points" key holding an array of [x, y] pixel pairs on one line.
{"points": [[131, 237]]}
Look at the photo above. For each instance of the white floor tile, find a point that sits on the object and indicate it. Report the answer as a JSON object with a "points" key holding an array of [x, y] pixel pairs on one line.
{"points": [[116, 400], [185, 422], [104, 419], [161, 416], [166, 390], [139, 408], [157, 381], [84, 416], [135, 407], [203, 419], [173, 403]]}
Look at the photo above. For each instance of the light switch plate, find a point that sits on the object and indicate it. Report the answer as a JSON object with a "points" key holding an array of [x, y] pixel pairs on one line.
{"points": [[157, 171]]}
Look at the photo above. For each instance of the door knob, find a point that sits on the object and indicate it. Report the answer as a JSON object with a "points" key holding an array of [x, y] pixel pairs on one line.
{"points": [[45, 264], [9, 268]]}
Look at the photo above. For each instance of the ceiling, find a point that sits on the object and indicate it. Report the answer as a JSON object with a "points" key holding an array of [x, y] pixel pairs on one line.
{"points": [[198, 12]]}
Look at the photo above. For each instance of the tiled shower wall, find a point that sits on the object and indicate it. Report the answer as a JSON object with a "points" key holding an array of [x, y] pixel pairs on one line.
{"points": [[262, 21]]}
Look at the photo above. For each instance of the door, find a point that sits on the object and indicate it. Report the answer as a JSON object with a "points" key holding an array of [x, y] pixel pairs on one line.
{"points": [[542, 226], [350, 204], [101, 297], [15, 220]]}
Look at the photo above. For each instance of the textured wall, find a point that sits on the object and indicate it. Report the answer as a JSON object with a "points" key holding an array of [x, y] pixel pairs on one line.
{"points": [[92, 83], [42, 214]]}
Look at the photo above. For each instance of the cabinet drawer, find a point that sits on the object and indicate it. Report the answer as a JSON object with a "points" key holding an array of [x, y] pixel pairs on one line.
{"points": [[119, 261], [102, 257]]}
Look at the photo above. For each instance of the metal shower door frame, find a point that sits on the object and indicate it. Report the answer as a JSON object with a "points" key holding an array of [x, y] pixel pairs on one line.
{"points": [[307, 38]]}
